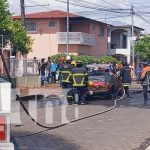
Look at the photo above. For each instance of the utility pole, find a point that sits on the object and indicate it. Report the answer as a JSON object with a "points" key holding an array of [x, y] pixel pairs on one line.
{"points": [[132, 35], [105, 18], [67, 27], [22, 8]]}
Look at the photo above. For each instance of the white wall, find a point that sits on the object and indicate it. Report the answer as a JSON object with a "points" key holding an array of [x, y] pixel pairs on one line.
{"points": [[44, 45]]}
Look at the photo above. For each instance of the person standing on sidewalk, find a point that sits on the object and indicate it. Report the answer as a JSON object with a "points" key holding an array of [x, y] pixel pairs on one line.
{"points": [[125, 73], [53, 72], [138, 72], [42, 69], [48, 68], [145, 78]]}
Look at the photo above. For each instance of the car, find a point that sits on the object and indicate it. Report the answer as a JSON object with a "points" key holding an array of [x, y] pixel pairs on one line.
{"points": [[104, 81]]}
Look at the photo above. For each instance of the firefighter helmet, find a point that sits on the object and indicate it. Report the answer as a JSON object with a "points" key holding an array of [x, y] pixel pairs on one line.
{"points": [[68, 57], [124, 63], [145, 63], [73, 63], [79, 63]]}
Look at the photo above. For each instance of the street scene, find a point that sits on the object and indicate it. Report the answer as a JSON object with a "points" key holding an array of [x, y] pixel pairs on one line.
{"points": [[74, 75]]}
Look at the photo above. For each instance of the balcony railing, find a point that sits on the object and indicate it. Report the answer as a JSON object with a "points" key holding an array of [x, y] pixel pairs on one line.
{"points": [[76, 38]]}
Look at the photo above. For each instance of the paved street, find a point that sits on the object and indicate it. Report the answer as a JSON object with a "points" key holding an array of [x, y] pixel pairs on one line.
{"points": [[127, 127]]}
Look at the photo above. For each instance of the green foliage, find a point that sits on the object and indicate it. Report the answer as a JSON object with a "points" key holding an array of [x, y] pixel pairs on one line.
{"points": [[106, 59], [142, 47], [13, 30], [21, 42], [86, 59]]}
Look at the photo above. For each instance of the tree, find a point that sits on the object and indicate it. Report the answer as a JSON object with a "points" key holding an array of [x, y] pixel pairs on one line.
{"points": [[13, 30], [142, 47], [21, 42]]}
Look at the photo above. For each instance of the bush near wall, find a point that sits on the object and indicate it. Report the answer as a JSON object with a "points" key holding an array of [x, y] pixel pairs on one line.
{"points": [[86, 59], [106, 59]]}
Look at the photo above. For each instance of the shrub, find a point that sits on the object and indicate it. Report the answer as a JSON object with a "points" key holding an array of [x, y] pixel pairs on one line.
{"points": [[106, 59], [86, 59]]}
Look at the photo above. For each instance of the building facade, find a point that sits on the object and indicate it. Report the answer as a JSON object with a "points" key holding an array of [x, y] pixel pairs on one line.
{"points": [[49, 34], [120, 41]]}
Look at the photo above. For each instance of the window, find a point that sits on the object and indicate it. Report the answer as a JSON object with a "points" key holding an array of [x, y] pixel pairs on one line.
{"points": [[31, 26], [52, 23], [102, 30]]}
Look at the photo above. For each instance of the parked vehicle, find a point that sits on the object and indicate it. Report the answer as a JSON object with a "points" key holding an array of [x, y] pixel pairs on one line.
{"points": [[103, 81]]}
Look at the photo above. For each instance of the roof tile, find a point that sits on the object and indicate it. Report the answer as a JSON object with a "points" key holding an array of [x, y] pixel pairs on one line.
{"points": [[48, 14]]}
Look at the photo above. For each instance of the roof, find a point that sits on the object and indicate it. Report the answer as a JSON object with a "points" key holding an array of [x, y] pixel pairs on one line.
{"points": [[53, 14], [122, 24], [47, 14]]}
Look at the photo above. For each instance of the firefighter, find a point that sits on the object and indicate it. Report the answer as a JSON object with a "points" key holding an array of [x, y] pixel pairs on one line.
{"points": [[145, 78], [65, 71], [79, 80], [125, 73]]}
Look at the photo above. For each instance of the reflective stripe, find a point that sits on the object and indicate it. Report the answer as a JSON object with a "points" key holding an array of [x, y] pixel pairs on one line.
{"points": [[126, 84], [67, 79], [81, 84]]}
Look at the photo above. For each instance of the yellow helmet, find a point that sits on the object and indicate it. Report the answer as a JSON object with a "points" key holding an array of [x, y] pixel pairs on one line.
{"points": [[79, 63], [73, 62]]}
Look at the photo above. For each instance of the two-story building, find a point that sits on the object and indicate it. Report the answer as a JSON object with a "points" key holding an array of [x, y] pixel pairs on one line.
{"points": [[48, 30], [120, 40]]}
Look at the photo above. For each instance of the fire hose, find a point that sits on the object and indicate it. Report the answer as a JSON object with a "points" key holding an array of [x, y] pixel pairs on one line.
{"points": [[57, 126]]}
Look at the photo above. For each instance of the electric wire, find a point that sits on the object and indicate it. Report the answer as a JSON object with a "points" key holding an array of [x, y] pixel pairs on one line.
{"points": [[91, 7]]}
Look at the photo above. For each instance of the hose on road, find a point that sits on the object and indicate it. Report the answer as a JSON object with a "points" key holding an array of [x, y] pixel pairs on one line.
{"points": [[61, 125]]}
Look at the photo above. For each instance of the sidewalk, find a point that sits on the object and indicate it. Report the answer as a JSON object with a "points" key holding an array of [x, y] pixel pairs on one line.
{"points": [[47, 90]]}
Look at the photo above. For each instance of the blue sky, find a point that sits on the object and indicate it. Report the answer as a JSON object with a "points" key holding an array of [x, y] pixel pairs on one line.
{"points": [[141, 19]]}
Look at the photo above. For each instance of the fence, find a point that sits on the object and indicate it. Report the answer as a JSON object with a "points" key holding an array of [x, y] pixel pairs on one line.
{"points": [[20, 67]]}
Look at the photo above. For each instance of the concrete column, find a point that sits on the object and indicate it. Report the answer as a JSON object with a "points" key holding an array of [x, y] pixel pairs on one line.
{"points": [[128, 59], [129, 40], [109, 42]]}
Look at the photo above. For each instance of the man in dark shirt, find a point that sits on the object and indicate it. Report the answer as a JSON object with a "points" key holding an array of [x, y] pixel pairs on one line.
{"points": [[125, 73], [42, 69]]}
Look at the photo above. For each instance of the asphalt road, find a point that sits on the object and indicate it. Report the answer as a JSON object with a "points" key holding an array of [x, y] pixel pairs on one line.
{"points": [[127, 127]]}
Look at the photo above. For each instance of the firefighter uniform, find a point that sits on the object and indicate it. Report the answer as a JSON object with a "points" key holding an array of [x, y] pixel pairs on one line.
{"points": [[79, 83], [125, 73], [145, 78], [65, 71]]}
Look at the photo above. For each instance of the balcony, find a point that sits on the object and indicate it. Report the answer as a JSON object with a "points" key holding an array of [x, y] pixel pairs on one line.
{"points": [[119, 51], [76, 38]]}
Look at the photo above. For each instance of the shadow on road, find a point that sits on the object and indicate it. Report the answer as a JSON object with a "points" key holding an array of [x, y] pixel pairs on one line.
{"points": [[42, 141]]}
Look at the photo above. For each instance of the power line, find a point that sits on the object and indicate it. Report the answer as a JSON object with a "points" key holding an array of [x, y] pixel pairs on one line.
{"points": [[91, 7], [37, 5]]}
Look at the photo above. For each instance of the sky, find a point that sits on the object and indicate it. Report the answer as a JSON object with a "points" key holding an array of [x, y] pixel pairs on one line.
{"points": [[93, 9]]}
